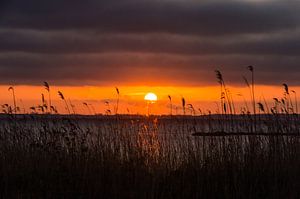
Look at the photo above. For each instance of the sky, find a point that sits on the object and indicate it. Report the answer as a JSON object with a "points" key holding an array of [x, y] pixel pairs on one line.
{"points": [[147, 44]]}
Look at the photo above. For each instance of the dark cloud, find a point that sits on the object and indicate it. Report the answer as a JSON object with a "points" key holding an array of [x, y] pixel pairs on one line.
{"points": [[133, 68], [183, 17], [67, 42], [176, 42]]}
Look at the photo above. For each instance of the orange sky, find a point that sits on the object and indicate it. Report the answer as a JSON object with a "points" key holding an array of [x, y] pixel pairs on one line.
{"points": [[132, 98]]}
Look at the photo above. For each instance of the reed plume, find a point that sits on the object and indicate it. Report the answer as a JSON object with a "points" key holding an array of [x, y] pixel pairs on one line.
{"points": [[171, 108], [183, 105], [296, 100], [14, 98], [261, 107], [61, 95], [72, 106], [289, 100], [118, 99], [88, 108], [192, 109], [224, 91], [251, 69], [47, 87]]}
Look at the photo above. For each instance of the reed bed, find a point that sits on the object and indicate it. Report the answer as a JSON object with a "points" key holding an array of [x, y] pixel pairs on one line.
{"points": [[51, 156]]}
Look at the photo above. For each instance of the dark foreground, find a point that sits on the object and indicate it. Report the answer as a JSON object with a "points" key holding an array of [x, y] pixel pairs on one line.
{"points": [[140, 157]]}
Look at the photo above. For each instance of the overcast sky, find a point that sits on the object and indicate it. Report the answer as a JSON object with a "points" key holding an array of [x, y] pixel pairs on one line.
{"points": [[153, 42]]}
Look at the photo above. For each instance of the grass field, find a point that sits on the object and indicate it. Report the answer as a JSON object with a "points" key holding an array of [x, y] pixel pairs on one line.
{"points": [[56, 156]]}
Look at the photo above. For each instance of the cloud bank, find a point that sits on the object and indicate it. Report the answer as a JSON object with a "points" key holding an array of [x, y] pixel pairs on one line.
{"points": [[170, 42]]}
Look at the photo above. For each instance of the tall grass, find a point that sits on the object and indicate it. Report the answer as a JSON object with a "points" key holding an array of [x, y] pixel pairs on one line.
{"points": [[145, 157], [183, 156], [251, 69], [88, 108], [47, 87], [183, 105], [61, 95], [296, 101], [224, 93], [11, 88], [118, 100], [171, 105]]}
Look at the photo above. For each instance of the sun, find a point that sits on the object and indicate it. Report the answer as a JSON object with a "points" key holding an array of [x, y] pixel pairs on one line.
{"points": [[150, 97]]}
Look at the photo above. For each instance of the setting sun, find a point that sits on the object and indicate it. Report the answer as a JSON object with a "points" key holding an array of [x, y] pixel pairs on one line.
{"points": [[150, 97]]}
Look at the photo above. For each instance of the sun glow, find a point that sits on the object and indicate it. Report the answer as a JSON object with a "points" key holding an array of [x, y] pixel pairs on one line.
{"points": [[150, 97], [132, 99]]}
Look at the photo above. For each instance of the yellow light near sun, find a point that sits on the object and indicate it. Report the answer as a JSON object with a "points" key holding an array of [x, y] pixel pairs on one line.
{"points": [[150, 97]]}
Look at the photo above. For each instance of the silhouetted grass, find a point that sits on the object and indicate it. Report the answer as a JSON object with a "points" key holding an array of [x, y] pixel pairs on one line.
{"points": [[132, 156], [50, 156]]}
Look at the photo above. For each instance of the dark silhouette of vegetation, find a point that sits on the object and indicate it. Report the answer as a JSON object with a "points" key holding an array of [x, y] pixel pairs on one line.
{"points": [[88, 108], [190, 155], [183, 105], [14, 98], [171, 105], [118, 99], [147, 157], [61, 95], [47, 87]]}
